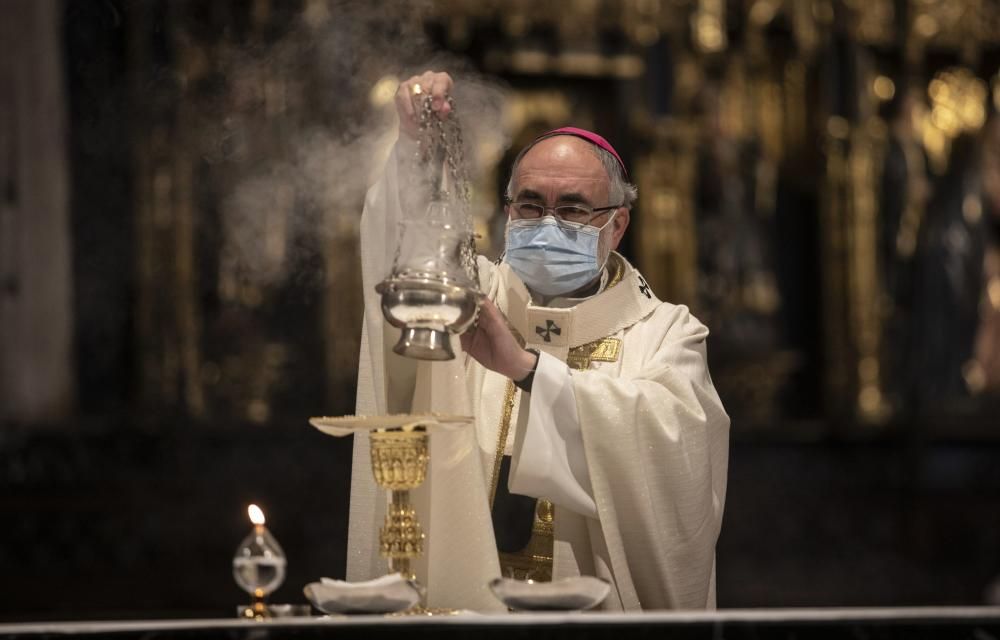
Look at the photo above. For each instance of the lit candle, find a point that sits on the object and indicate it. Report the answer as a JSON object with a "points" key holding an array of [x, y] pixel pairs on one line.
{"points": [[259, 563], [256, 517]]}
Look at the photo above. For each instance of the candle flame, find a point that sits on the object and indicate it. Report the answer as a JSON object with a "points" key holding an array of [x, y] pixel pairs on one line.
{"points": [[255, 513]]}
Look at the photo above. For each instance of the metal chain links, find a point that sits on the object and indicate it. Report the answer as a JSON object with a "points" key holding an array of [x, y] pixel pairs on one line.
{"points": [[440, 148]]}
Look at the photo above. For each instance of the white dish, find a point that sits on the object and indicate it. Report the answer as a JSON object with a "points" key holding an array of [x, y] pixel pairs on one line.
{"points": [[387, 594], [347, 425], [569, 594]]}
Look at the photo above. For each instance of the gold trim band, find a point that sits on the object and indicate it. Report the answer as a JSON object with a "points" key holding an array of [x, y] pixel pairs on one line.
{"points": [[503, 431]]}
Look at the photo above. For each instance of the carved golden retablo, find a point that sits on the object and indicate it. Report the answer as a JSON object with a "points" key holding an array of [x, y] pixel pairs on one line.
{"points": [[399, 459]]}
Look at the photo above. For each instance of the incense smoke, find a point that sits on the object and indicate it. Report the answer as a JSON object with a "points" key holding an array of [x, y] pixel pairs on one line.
{"points": [[310, 190]]}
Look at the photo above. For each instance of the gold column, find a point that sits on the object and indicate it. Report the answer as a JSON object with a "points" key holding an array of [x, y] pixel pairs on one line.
{"points": [[852, 296], [667, 244], [167, 311], [867, 149], [834, 196], [185, 277]]}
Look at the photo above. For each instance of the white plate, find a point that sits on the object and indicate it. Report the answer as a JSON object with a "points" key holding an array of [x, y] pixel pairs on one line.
{"points": [[387, 594], [347, 425], [569, 594]]}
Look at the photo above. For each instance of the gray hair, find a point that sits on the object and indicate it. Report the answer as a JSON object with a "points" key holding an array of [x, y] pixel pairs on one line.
{"points": [[619, 188]]}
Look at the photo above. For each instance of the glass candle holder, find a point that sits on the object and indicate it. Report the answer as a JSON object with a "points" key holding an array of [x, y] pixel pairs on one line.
{"points": [[259, 565]]}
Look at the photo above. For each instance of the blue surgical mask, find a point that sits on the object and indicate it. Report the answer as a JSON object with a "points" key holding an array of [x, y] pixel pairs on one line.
{"points": [[554, 257]]}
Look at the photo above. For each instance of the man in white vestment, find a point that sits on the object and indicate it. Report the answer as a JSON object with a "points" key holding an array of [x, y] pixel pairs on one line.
{"points": [[599, 446]]}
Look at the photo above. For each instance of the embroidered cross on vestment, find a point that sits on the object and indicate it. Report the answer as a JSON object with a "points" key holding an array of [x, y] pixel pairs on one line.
{"points": [[548, 330]]}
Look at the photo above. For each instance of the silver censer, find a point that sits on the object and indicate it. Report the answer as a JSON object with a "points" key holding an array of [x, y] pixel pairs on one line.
{"points": [[433, 290]]}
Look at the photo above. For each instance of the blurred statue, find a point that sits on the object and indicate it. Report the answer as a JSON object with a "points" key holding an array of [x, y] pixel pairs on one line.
{"points": [[904, 192], [983, 373], [738, 294], [737, 289], [947, 283]]}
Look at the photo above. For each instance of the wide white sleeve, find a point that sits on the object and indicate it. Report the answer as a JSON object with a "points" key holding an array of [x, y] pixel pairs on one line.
{"points": [[549, 460], [657, 441], [379, 223]]}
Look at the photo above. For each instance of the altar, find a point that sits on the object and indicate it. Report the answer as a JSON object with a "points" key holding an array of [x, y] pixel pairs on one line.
{"points": [[878, 623]]}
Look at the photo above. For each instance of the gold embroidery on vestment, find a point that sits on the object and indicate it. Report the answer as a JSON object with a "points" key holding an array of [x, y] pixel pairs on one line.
{"points": [[616, 270], [603, 350], [502, 431], [534, 561]]}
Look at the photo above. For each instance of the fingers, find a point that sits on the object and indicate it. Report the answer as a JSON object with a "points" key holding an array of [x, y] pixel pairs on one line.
{"points": [[490, 317], [483, 329], [405, 109], [472, 341], [410, 93], [497, 322], [440, 88]]}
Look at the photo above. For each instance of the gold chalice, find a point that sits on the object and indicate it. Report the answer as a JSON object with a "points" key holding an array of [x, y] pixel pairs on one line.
{"points": [[400, 458], [399, 463]]}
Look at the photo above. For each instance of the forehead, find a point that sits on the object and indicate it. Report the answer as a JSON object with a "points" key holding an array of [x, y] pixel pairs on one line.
{"points": [[561, 163]]}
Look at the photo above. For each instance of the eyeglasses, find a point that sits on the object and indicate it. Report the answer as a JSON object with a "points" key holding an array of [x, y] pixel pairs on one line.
{"points": [[579, 213]]}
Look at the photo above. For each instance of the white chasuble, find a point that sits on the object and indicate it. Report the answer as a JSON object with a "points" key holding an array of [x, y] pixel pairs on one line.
{"points": [[653, 434]]}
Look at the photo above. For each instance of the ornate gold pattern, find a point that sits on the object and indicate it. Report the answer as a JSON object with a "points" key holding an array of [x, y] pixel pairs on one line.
{"points": [[854, 324], [399, 459], [402, 536], [616, 270], [957, 106], [534, 562], [502, 431], [603, 350], [667, 245], [399, 462]]}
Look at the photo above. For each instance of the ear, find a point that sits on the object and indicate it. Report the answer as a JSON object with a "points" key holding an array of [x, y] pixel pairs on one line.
{"points": [[618, 226]]}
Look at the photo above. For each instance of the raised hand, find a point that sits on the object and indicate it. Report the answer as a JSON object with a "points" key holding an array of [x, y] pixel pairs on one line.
{"points": [[436, 84], [491, 342]]}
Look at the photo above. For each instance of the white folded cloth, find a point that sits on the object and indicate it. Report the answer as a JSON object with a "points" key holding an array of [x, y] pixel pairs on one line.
{"points": [[386, 594]]}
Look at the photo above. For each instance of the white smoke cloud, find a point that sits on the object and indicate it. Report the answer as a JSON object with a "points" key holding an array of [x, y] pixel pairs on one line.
{"points": [[346, 59]]}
